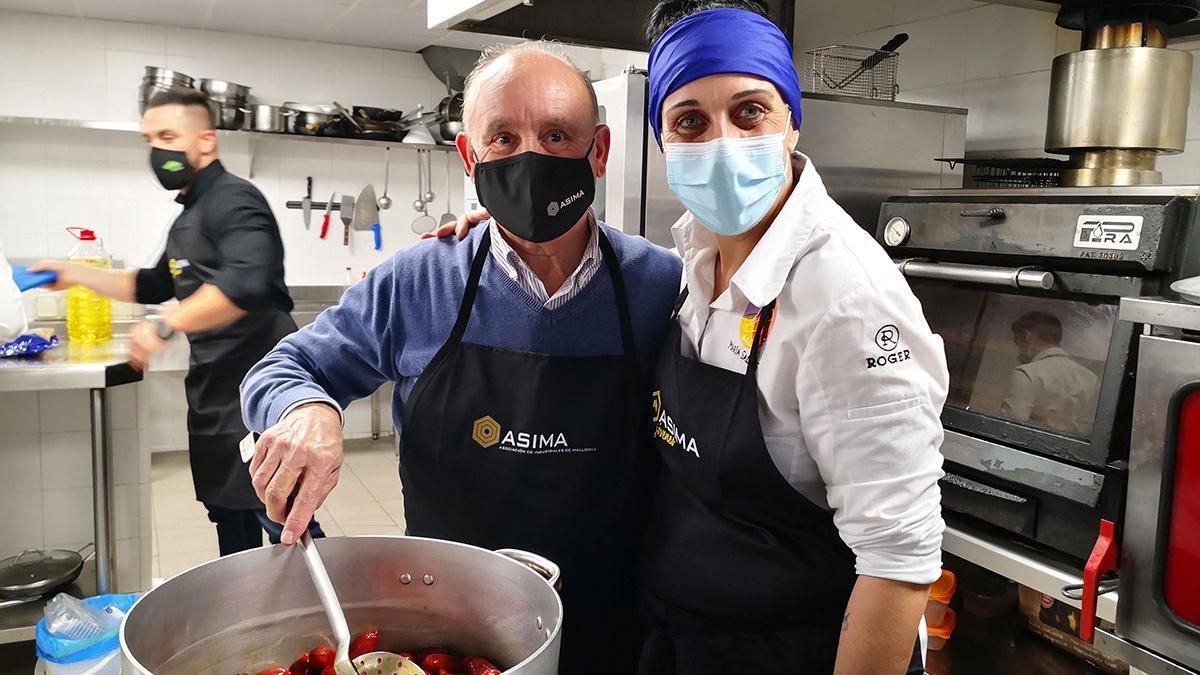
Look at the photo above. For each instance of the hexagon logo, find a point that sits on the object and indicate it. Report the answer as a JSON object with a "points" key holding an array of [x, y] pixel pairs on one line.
{"points": [[656, 404], [552, 209], [486, 431]]}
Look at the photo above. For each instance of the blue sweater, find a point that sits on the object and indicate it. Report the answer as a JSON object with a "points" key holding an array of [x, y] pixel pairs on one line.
{"points": [[390, 325]]}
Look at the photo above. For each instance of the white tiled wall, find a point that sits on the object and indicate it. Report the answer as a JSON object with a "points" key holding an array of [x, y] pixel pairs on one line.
{"points": [[46, 477], [992, 59], [65, 67]]}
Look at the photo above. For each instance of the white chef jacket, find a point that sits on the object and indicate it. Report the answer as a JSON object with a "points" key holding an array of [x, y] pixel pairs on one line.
{"points": [[12, 313], [851, 380], [1053, 390]]}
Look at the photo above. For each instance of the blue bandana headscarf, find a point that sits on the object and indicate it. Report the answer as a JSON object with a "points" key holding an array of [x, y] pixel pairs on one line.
{"points": [[720, 41]]}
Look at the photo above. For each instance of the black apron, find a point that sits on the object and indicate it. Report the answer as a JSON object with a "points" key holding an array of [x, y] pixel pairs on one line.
{"points": [[740, 572], [506, 449], [219, 359]]}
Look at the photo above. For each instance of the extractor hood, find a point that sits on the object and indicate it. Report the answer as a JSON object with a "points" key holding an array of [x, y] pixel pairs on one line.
{"points": [[619, 24]]}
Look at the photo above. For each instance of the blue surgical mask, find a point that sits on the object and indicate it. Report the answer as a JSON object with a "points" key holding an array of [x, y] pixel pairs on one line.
{"points": [[728, 184]]}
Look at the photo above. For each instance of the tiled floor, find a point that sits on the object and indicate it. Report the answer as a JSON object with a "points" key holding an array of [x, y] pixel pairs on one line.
{"points": [[367, 500]]}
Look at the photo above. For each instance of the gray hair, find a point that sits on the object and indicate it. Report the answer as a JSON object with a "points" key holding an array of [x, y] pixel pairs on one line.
{"points": [[494, 52]]}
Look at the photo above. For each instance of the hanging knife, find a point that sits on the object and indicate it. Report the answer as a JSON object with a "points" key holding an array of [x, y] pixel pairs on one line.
{"points": [[306, 204], [328, 209]]}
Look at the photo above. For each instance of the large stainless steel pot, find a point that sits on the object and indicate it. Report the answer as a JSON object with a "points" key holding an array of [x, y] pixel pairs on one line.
{"points": [[271, 119], [310, 119], [158, 80], [224, 91], [229, 115], [246, 611]]}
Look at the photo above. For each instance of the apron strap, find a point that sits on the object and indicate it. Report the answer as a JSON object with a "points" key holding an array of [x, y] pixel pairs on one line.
{"points": [[683, 296], [618, 282], [760, 331], [468, 299]]}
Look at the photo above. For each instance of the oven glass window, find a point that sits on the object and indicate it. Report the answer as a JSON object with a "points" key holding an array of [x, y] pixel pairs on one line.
{"points": [[1036, 361]]}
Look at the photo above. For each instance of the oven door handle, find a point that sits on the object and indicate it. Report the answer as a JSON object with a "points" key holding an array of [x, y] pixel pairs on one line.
{"points": [[1014, 277]]}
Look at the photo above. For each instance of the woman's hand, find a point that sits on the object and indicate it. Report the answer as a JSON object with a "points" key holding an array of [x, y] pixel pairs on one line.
{"points": [[465, 223]]}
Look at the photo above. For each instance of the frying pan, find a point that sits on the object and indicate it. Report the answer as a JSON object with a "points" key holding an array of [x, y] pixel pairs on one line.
{"points": [[34, 573]]}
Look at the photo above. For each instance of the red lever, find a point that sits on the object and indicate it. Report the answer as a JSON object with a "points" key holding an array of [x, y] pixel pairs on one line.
{"points": [[325, 225], [1102, 560]]}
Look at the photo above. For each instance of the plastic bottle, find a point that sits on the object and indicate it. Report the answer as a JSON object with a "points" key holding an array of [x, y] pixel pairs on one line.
{"points": [[89, 314]]}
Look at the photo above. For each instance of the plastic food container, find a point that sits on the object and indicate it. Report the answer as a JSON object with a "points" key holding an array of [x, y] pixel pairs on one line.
{"points": [[940, 594], [940, 633]]}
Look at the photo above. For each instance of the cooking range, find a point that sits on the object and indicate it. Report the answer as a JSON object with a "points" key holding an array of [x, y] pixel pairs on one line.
{"points": [[1024, 283]]}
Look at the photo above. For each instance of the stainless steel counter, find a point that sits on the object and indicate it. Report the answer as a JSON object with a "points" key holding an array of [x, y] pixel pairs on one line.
{"points": [[94, 368], [70, 366]]}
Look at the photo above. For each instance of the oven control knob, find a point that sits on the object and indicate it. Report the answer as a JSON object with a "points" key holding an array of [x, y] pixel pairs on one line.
{"points": [[896, 231]]}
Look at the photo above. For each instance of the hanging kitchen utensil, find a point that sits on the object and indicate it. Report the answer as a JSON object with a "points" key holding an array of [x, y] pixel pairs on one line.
{"points": [[341, 631], [325, 219], [35, 573], [347, 218], [447, 217], [419, 203], [306, 204], [385, 202], [366, 214], [428, 196]]}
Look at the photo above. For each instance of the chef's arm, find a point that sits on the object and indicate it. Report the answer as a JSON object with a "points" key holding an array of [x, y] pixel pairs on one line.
{"points": [[116, 284], [879, 629], [204, 310]]}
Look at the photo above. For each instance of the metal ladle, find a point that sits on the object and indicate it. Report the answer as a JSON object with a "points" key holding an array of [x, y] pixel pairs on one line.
{"points": [[385, 202], [367, 663], [428, 196]]}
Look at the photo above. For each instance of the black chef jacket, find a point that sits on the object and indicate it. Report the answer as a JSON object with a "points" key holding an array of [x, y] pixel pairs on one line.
{"points": [[226, 236]]}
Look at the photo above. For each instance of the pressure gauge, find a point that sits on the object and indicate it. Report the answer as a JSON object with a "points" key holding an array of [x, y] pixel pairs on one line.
{"points": [[896, 231]]}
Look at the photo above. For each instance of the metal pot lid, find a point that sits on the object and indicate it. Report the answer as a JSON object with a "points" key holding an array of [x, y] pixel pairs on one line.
{"points": [[318, 108], [33, 571]]}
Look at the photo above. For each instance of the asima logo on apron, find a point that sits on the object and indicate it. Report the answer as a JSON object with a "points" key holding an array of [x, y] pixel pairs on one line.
{"points": [[489, 433], [666, 430]]}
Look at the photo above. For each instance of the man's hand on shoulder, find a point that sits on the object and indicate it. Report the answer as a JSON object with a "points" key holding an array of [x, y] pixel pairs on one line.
{"points": [[461, 228], [304, 448]]}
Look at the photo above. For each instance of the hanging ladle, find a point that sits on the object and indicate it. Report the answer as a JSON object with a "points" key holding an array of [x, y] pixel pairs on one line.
{"points": [[385, 202]]}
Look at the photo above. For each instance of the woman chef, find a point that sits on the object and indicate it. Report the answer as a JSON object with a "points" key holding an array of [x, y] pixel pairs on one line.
{"points": [[797, 523]]}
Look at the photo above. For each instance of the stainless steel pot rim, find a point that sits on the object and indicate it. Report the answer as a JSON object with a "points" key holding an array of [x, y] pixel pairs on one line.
{"points": [[159, 72], [550, 636]]}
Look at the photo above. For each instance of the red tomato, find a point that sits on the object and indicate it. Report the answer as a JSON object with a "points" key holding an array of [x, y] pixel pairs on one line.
{"points": [[328, 670], [436, 661], [300, 667], [364, 643], [322, 657], [274, 670], [477, 665]]}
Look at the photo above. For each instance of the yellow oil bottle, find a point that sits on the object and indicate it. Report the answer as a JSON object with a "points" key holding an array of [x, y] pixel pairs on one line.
{"points": [[89, 314]]}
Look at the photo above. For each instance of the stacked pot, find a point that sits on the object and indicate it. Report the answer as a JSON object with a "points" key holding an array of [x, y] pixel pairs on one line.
{"points": [[229, 103], [157, 80]]}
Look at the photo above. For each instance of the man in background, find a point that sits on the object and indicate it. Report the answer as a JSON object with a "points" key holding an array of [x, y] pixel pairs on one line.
{"points": [[1049, 388], [223, 261]]}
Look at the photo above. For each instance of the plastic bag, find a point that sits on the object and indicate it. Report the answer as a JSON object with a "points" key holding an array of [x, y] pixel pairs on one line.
{"points": [[69, 617], [57, 649], [28, 345]]}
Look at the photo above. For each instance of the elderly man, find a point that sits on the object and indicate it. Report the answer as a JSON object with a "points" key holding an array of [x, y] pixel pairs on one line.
{"points": [[520, 356]]}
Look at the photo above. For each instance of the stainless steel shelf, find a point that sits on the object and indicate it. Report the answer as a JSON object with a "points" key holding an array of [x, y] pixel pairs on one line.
{"points": [[70, 367], [18, 622], [132, 127]]}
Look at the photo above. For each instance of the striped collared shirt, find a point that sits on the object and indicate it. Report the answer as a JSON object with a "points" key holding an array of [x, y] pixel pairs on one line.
{"points": [[510, 261]]}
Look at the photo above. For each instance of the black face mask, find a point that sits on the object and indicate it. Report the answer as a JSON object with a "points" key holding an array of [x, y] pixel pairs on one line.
{"points": [[534, 196], [171, 168]]}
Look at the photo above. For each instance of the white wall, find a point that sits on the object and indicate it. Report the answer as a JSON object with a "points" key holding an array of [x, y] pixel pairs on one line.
{"points": [[63, 67], [991, 59]]}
